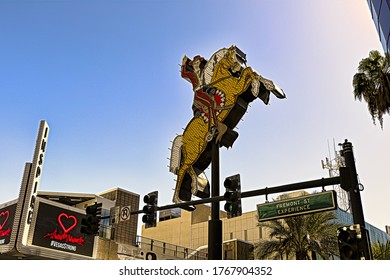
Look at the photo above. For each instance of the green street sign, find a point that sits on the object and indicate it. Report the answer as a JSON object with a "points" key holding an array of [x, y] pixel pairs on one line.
{"points": [[308, 204]]}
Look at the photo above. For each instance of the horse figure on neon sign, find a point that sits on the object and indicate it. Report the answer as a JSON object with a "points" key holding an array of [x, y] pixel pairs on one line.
{"points": [[223, 87]]}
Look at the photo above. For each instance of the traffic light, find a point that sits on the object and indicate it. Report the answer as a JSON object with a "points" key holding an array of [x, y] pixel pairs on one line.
{"points": [[349, 239], [150, 209], [233, 196], [90, 224]]}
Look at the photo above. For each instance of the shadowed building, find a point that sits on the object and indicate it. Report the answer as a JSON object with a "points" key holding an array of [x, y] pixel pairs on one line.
{"points": [[380, 11]]}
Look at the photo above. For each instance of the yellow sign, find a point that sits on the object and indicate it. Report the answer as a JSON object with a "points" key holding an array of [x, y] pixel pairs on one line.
{"points": [[223, 87]]}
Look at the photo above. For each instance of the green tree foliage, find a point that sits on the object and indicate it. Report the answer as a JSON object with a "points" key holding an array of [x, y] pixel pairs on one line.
{"points": [[297, 237], [381, 251], [372, 84]]}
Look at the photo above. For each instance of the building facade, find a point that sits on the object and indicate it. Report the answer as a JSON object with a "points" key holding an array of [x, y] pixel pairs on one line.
{"points": [[125, 231], [380, 11], [54, 230], [190, 230]]}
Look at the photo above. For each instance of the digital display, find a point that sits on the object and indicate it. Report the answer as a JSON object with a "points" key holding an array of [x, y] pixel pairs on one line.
{"points": [[59, 229], [7, 215]]}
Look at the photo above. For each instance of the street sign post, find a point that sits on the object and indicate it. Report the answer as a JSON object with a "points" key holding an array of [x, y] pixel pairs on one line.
{"points": [[307, 204]]}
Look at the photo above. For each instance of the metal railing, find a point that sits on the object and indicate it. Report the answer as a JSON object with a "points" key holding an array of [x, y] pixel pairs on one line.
{"points": [[169, 250]]}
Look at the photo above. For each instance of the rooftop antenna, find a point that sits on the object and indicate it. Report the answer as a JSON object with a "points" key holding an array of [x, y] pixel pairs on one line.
{"points": [[333, 165]]}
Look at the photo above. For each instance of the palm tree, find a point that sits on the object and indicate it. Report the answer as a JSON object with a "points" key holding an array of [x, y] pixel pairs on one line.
{"points": [[372, 83], [381, 251], [297, 237]]}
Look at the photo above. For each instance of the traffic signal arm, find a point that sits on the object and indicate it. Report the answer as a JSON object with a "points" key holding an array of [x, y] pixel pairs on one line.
{"points": [[265, 191]]}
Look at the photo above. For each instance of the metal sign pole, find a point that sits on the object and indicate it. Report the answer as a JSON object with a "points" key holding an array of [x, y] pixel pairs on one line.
{"points": [[215, 224], [354, 196]]}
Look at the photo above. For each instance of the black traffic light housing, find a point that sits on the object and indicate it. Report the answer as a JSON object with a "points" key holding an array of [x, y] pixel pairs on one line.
{"points": [[233, 196], [90, 224], [150, 209], [350, 242]]}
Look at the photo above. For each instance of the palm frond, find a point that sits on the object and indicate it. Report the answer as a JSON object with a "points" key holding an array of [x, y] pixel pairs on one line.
{"points": [[299, 235], [372, 84]]}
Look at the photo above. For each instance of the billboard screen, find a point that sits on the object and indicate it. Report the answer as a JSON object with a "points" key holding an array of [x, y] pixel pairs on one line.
{"points": [[7, 216], [59, 229]]}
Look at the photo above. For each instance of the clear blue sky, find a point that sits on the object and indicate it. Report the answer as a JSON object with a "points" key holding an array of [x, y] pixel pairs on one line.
{"points": [[105, 76]]}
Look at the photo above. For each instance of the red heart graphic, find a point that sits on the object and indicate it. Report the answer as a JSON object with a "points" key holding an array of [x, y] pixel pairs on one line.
{"points": [[6, 214], [65, 216]]}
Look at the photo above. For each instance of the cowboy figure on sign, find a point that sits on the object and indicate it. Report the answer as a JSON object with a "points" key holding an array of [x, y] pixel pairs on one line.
{"points": [[223, 88], [206, 101]]}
